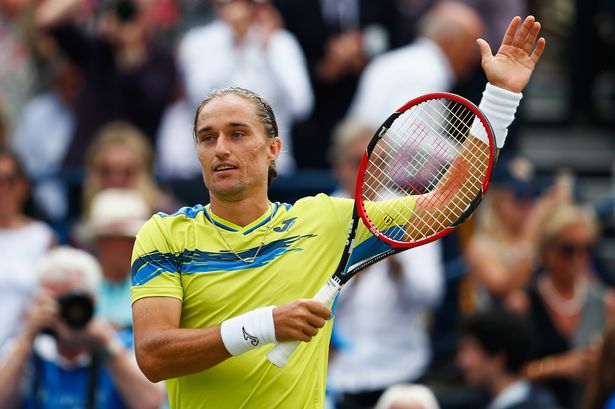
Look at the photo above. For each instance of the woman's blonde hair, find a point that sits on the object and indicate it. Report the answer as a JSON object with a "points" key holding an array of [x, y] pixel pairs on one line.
{"points": [[125, 134], [561, 217]]}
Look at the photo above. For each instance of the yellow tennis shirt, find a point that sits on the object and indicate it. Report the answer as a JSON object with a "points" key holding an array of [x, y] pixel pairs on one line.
{"points": [[192, 255]]}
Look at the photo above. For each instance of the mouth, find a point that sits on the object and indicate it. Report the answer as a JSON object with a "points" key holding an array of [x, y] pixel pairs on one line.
{"points": [[224, 168]]}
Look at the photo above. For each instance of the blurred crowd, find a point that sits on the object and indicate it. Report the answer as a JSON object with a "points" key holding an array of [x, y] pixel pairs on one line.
{"points": [[97, 101]]}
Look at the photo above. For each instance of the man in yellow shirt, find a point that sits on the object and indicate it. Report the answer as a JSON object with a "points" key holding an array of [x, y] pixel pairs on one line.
{"points": [[214, 286]]}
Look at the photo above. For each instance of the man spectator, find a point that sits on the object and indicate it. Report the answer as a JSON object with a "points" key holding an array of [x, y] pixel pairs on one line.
{"points": [[493, 348], [444, 52], [65, 359]]}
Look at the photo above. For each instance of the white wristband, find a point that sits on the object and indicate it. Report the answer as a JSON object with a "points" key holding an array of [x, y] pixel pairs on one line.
{"points": [[248, 331], [499, 106]]}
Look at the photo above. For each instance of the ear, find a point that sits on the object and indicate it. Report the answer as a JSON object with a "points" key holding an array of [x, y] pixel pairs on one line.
{"points": [[275, 148]]}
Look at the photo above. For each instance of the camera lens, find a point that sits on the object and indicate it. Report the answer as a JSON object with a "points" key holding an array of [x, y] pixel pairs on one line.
{"points": [[76, 309]]}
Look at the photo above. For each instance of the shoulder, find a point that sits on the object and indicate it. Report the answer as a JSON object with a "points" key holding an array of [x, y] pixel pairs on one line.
{"points": [[169, 224]]}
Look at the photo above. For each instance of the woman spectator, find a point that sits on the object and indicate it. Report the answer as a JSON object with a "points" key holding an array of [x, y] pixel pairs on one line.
{"points": [[120, 156], [502, 254], [22, 242], [568, 306]]}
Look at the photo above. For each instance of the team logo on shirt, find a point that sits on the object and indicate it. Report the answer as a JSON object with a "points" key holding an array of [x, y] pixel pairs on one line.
{"points": [[286, 225]]}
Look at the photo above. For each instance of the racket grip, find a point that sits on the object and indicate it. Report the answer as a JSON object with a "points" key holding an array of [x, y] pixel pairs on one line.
{"points": [[280, 353]]}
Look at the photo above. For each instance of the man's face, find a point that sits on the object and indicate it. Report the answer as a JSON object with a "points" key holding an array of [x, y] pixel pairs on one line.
{"points": [[114, 254], [233, 149], [479, 367]]}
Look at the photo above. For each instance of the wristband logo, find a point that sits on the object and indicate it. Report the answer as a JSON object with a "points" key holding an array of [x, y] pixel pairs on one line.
{"points": [[253, 340]]}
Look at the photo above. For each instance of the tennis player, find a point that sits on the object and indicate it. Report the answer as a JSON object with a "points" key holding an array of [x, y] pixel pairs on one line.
{"points": [[214, 285]]}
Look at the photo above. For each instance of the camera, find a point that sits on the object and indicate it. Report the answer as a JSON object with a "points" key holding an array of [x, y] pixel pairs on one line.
{"points": [[76, 309], [125, 10]]}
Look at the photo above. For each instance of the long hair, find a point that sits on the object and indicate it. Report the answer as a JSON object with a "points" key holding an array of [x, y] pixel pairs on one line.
{"points": [[264, 112]]}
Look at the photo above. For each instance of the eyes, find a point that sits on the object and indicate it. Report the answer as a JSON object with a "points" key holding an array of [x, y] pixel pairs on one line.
{"points": [[212, 137]]}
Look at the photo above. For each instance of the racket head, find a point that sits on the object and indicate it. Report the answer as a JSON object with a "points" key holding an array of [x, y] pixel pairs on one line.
{"points": [[409, 156]]}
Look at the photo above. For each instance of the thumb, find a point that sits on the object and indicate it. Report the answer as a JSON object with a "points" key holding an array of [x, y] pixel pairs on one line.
{"points": [[485, 50]]}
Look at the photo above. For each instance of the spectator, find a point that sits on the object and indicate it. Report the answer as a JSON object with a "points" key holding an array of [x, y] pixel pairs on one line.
{"points": [[338, 38], [85, 363], [408, 397], [601, 384], [116, 216], [444, 52], [126, 77], [502, 254], [493, 348], [252, 51], [410, 284], [120, 156], [43, 156], [22, 242], [568, 306]]}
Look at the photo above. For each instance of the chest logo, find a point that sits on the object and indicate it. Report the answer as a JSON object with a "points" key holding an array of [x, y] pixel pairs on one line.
{"points": [[286, 225]]}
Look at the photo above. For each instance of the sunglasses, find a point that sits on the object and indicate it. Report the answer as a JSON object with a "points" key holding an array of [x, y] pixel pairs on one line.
{"points": [[570, 249]]}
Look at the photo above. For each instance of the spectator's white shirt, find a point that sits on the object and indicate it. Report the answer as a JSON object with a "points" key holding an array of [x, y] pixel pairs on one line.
{"points": [[381, 322], [210, 59], [398, 76], [21, 250]]}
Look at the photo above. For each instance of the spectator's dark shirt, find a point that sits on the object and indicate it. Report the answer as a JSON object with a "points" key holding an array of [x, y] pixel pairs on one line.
{"points": [[138, 96]]}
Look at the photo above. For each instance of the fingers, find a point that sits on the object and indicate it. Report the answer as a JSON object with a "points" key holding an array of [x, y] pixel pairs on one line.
{"points": [[521, 36], [530, 40], [540, 47], [300, 320], [509, 35]]}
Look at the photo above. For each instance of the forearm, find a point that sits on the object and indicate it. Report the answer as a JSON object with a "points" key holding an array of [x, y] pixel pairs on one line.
{"points": [[169, 353], [136, 390], [12, 372], [454, 193]]}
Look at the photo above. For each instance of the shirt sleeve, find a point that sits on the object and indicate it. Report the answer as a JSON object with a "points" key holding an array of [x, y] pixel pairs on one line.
{"points": [[156, 268]]}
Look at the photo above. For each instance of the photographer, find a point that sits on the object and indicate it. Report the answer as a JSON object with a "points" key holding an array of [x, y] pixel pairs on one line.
{"points": [[65, 358], [126, 75]]}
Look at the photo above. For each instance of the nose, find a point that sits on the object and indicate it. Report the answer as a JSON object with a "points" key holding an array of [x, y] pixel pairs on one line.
{"points": [[222, 146]]}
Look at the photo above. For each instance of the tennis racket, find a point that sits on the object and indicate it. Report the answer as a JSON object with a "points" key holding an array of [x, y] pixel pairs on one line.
{"points": [[423, 173]]}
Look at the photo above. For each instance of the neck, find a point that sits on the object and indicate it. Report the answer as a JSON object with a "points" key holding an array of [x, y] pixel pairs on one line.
{"points": [[11, 221], [241, 212], [565, 286], [500, 383]]}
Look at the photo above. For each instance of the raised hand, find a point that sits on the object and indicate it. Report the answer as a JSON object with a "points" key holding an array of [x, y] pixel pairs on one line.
{"points": [[511, 68]]}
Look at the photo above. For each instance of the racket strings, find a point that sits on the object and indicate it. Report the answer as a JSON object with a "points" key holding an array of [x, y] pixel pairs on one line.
{"points": [[421, 151]]}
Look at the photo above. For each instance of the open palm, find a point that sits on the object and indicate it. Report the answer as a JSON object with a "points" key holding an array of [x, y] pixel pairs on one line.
{"points": [[512, 66]]}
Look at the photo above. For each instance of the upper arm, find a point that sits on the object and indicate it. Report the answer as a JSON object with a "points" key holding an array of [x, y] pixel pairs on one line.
{"points": [[150, 316], [155, 313]]}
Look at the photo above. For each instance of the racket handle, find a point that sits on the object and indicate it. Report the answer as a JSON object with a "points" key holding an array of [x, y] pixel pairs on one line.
{"points": [[280, 353]]}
